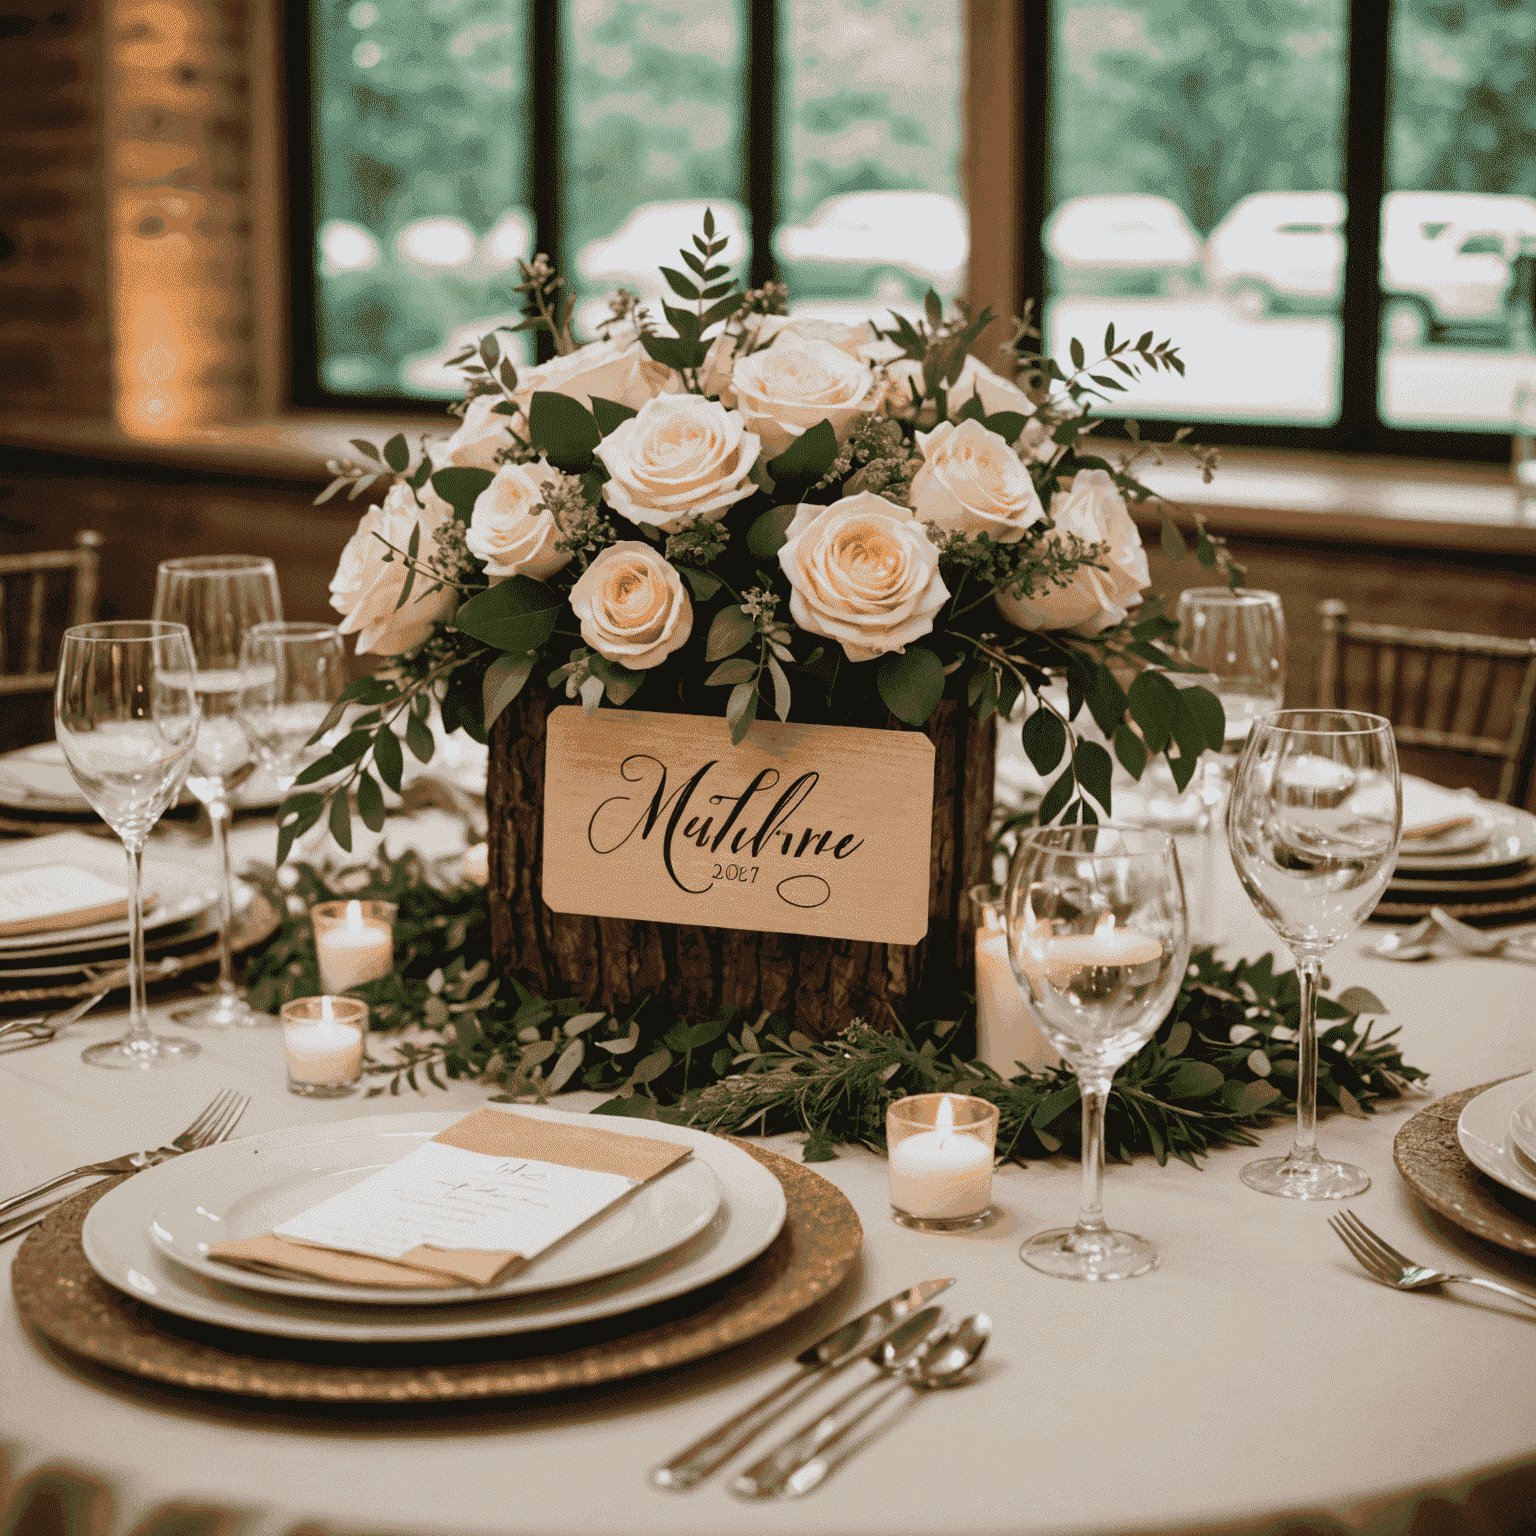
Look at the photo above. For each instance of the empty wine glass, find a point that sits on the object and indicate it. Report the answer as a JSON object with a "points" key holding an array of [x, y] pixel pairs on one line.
{"points": [[1314, 821], [126, 714], [1238, 638], [1098, 939], [219, 598]]}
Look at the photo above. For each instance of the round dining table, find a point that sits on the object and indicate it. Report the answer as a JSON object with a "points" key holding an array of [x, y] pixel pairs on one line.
{"points": [[1256, 1380]]}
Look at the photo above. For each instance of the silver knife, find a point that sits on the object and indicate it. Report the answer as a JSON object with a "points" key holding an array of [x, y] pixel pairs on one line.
{"points": [[822, 1360]]}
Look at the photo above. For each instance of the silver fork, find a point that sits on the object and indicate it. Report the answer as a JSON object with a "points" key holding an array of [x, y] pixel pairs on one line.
{"points": [[214, 1124], [1383, 1262], [20, 1034]]}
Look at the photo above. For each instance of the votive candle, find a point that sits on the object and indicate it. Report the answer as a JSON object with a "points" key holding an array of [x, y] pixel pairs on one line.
{"points": [[354, 942], [941, 1148], [1007, 1034], [323, 1038]]}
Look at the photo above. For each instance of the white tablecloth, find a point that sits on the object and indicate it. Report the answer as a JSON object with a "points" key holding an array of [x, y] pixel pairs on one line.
{"points": [[1256, 1372]]}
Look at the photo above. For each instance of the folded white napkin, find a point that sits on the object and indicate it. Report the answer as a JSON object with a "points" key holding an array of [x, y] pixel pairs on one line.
{"points": [[1424, 803]]}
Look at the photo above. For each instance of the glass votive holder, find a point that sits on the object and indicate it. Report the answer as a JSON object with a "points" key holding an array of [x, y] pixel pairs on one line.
{"points": [[941, 1148], [323, 1038], [354, 942]]}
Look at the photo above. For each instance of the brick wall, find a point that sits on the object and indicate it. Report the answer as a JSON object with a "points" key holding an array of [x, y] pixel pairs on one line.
{"points": [[55, 339]]}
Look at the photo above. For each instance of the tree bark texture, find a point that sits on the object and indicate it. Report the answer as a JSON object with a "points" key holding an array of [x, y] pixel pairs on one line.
{"points": [[819, 984]]}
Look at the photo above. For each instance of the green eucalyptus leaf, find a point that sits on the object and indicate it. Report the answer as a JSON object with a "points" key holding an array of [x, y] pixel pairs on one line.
{"points": [[564, 429], [516, 615]]}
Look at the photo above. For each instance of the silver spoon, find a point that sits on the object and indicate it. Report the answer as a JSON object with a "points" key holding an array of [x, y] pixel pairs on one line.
{"points": [[1413, 943], [802, 1463]]}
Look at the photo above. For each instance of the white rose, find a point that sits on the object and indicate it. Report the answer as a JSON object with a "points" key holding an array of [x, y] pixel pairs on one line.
{"points": [[759, 330], [1092, 600], [481, 436], [510, 531], [616, 370], [632, 606], [863, 572], [972, 482], [795, 383], [366, 589], [681, 460], [997, 393]]}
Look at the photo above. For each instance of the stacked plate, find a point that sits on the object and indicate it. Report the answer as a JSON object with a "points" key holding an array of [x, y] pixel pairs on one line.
{"points": [[1497, 1131], [75, 960], [1480, 867], [698, 1222], [36, 786]]}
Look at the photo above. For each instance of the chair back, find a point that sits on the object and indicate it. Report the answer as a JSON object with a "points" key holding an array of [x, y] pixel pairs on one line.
{"points": [[25, 583], [1442, 691]]}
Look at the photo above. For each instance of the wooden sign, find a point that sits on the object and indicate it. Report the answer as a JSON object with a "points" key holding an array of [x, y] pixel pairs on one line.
{"points": [[810, 829]]}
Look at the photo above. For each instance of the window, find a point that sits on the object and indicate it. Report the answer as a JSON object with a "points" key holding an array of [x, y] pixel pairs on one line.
{"points": [[824, 134], [1197, 184]]}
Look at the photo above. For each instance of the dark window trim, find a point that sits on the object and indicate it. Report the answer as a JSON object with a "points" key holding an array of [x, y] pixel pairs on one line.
{"points": [[1367, 108]]}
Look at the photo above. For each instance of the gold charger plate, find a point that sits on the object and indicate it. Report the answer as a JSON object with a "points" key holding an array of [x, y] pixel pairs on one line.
{"points": [[1430, 1158], [255, 925], [62, 1298]]}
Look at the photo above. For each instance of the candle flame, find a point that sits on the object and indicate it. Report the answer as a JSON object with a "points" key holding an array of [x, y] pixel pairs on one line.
{"points": [[945, 1119], [1106, 925], [355, 914], [327, 1015]]}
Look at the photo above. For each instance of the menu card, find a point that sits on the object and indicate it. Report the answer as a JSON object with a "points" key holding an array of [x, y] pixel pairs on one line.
{"points": [[476, 1203], [52, 896]]}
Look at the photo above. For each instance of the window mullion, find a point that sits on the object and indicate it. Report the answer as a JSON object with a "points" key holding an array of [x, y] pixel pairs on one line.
{"points": [[1365, 160], [544, 157], [761, 138]]}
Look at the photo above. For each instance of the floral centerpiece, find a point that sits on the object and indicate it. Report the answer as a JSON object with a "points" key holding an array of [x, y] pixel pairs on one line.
{"points": [[748, 513]]}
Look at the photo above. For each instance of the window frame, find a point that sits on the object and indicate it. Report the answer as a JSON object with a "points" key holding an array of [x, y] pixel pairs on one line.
{"points": [[1367, 116]]}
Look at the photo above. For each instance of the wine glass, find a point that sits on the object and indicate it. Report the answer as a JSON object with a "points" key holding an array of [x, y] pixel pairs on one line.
{"points": [[218, 598], [1314, 821], [1238, 638], [126, 714], [291, 675], [1098, 940]]}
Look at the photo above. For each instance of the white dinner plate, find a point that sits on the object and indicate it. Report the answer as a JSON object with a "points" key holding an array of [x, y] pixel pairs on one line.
{"points": [[1522, 1126], [37, 778], [1508, 836], [117, 1244], [236, 1191], [1484, 1131], [181, 891]]}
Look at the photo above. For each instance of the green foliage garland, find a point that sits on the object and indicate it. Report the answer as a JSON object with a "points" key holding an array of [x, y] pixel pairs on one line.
{"points": [[1223, 1061]]}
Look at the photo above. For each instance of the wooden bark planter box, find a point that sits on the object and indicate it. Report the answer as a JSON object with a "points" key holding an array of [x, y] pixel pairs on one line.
{"points": [[819, 984]]}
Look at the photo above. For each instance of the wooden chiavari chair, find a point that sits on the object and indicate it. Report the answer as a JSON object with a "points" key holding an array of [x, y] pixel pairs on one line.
{"points": [[24, 584], [1440, 690]]}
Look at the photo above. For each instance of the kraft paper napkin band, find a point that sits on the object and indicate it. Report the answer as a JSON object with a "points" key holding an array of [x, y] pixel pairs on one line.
{"points": [[496, 1134], [49, 897]]}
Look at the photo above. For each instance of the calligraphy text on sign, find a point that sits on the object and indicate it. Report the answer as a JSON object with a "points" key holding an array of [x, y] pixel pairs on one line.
{"points": [[811, 829]]}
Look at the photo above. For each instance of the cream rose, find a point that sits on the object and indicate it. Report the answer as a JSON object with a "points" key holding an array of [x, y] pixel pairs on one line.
{"points": [[973, 482], [681, 460], [997, 393], [794, 383], [864, 573], [632, 606], [481, 436], [366, 589], [855, 340], [1092, 600], [510, 531], [614, 370]]}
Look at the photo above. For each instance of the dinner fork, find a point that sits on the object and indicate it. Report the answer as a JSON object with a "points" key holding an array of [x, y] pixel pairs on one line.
{"points": [[1383, 1262], [19, 1034], [214, 1124]]}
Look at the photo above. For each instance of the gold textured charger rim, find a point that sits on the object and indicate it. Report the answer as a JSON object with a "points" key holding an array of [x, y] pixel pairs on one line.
{"points": [[61, 1297], [1428, 1155]]}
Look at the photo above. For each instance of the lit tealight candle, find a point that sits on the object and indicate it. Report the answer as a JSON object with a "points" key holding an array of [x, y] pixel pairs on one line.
{"points": [[941, 1170], [1062, 956], [323, 1038], [1007, 1036], [353, 945]]}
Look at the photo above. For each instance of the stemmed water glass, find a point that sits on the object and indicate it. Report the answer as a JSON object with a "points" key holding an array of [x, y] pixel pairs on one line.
{"points": [[219, 598], [1314, 821], [126, 714], [1098, 939], [291, 675], [1238, 639]]}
